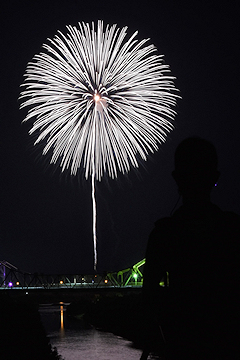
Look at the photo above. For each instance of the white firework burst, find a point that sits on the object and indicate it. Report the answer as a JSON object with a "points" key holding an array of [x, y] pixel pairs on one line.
{"points": [[98, 102]]}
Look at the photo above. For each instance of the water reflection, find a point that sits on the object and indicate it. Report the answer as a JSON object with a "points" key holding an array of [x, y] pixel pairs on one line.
{"points": [[75, 342], [62, 332]]}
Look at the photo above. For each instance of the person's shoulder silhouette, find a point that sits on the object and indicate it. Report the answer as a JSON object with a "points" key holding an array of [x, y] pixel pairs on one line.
{"points": [[199, 247]]}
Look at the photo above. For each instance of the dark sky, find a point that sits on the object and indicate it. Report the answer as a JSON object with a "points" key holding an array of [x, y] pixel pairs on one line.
{"points": [[46, 217]]}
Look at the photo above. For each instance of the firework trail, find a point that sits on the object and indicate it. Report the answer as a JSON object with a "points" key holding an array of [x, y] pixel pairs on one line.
{"points": [[98, 101]]}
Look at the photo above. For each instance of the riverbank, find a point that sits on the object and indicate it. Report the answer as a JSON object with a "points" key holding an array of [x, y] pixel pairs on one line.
{"points": [[22, 334], [116, 310], [122, 315], [67, 295]]}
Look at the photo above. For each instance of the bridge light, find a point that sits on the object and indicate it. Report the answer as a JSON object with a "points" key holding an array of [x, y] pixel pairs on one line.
{"points": [[61, 282], [10, 284], [106, 281], [17, 283]]}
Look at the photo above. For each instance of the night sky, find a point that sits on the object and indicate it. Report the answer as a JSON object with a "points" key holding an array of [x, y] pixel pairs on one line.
{"points": [[46, 216]]}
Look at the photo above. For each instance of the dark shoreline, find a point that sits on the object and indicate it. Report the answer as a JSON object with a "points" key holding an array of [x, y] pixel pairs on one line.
{"points": [[22, 335], [116, 310]]}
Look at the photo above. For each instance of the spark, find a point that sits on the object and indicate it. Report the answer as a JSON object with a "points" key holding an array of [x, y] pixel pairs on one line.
{"points": [[99, 101], [96, 97]]}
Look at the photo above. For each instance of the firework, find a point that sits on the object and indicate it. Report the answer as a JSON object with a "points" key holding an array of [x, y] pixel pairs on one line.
{"points": [[98, 100]]}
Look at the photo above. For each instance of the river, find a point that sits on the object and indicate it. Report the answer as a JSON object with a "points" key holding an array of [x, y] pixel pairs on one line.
{"points": [[76, 342]]}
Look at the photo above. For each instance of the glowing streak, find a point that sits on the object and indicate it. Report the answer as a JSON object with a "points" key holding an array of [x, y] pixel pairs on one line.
{"points": [[94, 224], [99, 103], [62, 320], [94, 204]]}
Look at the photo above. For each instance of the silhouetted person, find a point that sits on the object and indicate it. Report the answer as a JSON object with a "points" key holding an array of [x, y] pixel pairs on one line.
{"points": [[199, 248]]}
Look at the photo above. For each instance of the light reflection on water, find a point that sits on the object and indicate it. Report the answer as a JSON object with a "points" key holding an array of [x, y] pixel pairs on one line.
{"points": [[74, 342]]}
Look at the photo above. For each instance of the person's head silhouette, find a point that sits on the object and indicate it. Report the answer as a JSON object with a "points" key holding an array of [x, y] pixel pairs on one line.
{"points": [[196, 169]]}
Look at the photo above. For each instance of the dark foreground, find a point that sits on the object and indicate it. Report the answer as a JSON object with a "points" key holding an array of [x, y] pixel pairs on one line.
{"points": [[22, 335], [119, 311]]}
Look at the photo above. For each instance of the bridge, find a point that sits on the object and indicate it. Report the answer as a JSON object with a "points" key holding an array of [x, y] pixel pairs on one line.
{"points": [[13, 278]]}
